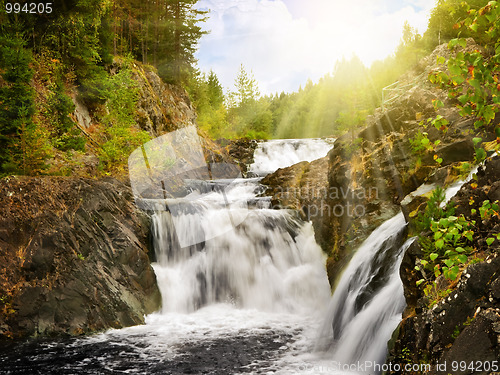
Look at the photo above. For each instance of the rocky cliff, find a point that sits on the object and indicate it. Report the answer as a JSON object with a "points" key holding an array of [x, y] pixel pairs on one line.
{"points": [[461, 322], [74, 257]]}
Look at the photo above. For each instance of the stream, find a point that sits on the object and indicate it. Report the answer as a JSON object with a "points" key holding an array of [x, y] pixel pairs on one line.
{"points": [[244, 290]]}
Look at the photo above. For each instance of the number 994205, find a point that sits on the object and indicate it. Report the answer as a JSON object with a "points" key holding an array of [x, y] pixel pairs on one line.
{"points": [[31, 8]]}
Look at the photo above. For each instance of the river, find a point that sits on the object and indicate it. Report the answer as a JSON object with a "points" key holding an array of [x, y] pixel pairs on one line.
{"points": [[244, 290]]}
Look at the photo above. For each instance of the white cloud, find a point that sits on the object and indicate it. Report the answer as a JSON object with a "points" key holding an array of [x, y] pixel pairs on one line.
{"points": [[284, 48]]}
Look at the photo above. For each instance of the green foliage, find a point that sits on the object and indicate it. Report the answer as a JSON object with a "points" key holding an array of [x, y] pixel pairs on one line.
{"points": [[488, 210], [433, 210], [242, 114], [445, 239], [434, 294], [22, 145], [473, 75], [121, 94], [421, 143], [208, 98], [32, 149], [444, 19], [66, 136]]}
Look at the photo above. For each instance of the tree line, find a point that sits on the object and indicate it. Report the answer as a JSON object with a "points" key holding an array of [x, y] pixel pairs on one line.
{"points": [[340, 101], [46, 56]]}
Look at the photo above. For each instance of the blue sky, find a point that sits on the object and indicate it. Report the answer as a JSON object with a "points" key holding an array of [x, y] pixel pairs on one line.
{"points": [[285, 42]]}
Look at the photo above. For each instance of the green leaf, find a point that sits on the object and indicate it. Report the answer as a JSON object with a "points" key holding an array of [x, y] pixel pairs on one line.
{"points": [[440, 60], [455, 70], [476, 140], [453, 273], [462, 258], [424, 262], [438, 235], [420, 282], [463, 98], [449, 263], [444, 222], [490, 240], [480, 154], [460, 249], [475, 83], [434, 256], [456, 41], [478, 124], [437, 272], [488, 114], [439, 243], [438, 104]]}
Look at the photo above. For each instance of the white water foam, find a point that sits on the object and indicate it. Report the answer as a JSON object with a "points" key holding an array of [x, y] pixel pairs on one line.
{"points": [[281, 153]]}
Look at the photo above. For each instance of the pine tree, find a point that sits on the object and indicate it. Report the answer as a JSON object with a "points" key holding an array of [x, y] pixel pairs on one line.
{"points": [[16, 95], [214, 88]]}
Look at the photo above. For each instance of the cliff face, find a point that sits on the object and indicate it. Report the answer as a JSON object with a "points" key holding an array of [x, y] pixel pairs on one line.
{"points": [[161, 107], [464, 325], [74, 257]]}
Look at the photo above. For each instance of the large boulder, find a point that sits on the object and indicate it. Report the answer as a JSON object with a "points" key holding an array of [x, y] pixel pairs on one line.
{"points": [[74, 257]]}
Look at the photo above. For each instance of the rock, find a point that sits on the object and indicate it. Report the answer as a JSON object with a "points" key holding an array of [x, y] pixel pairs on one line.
{"points": [[241, 150], [162, 107], [462, 150], [465, 325], [74, 257]]}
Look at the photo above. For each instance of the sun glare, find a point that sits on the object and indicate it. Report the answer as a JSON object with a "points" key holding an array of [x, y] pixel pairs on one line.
{"points": [[286, 42]]}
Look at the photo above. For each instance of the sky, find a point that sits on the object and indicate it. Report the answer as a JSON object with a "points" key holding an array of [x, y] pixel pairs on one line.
{"points": [[285, 42]]}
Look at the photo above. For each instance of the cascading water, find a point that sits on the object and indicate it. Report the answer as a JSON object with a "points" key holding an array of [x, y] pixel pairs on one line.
{"points": [[245, 290], [269, 262], [281, 153], [368, 301]]}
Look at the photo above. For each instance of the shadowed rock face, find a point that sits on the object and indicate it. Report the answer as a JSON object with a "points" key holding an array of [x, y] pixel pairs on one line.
{"points": [[73, 257], [465, 326]]}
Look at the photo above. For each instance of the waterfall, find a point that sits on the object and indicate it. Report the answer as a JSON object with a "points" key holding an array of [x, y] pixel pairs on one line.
{"points": [[222, 244], [281, 153], [368, 301], [244, 287], [269, 262]]}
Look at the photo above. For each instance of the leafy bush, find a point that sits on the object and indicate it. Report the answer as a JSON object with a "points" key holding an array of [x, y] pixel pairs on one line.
{"points": [[472, 77], [121, 94]]}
